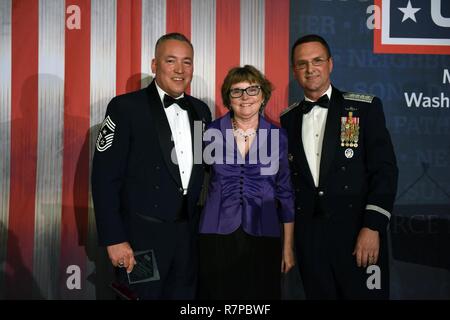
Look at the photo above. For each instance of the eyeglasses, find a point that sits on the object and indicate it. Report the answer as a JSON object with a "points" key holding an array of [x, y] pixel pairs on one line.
{"points": [[251, 91], [303, 64]]}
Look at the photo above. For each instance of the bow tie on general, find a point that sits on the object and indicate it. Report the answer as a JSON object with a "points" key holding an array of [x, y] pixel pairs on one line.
{"points": [[182, 102], [308, 105]]}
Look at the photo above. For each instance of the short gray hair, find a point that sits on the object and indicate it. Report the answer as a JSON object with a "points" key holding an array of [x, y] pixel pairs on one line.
{"points": [[173, 36]]}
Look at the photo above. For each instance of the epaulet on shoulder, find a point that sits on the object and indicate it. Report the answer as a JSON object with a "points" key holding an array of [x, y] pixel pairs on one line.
{"points": [[292, 106], [361, 97]]}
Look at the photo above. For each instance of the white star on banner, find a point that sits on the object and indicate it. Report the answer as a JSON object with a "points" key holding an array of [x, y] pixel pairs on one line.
{"points": [[409, 12]]}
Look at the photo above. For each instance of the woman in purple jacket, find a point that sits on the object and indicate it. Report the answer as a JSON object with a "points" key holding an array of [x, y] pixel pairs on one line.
{"points": [[250, 197]]}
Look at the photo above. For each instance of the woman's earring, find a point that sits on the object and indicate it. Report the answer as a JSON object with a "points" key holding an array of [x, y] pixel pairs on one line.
{"points": [[261, 108]]}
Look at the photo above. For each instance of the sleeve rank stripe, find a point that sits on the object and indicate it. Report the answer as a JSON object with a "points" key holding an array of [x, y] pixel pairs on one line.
{"points": [[378, 209]]}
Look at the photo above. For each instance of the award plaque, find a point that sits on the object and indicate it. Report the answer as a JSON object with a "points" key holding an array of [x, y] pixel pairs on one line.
{"points": [[145, 269]]}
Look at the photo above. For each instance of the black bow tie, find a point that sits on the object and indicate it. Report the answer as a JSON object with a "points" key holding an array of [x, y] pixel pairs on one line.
{"points": [[308, 105], [182, 102]]}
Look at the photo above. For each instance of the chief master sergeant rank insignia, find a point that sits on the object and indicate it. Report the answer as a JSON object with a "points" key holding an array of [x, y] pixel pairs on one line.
{"points": [[106, 135]]}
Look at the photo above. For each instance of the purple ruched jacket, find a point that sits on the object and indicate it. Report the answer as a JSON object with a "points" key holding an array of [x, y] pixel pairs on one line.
{"points": [[255, 192]]}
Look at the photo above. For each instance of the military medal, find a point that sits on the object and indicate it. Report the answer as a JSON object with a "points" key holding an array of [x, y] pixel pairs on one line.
{"points": [[348, 153], [349, 131]]}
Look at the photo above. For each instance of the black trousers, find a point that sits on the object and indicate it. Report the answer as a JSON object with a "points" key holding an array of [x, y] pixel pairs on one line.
{"points": [[175, 249], [328, 268], [239, 266]]}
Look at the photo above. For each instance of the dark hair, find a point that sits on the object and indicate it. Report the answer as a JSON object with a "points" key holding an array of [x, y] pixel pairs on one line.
{"points": [[173, 36], [310, 38], [245, 73]]}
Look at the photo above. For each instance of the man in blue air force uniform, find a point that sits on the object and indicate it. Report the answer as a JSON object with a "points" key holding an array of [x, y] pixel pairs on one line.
{"points": [[145, 184], [345, 177]]}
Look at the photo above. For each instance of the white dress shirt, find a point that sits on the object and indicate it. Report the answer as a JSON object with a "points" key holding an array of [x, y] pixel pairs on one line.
{"points": [[181, 136], [313, 129]]}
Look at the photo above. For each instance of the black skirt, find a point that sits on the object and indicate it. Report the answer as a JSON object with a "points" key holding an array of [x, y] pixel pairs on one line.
{"points": [[239, 266]]}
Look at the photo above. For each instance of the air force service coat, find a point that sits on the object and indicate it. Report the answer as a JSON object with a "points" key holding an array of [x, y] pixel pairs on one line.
{"points": [[134, 179], [357, 182]]}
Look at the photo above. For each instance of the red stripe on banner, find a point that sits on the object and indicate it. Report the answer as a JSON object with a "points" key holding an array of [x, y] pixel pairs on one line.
{"points": [[277, 56], [128, 71], [75, 184], [178, 16], [178, 19], [228, 39], [24, 125]]}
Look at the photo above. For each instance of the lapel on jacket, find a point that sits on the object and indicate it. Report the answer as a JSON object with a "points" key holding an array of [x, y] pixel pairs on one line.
{"points": [[161, 124], [229, 146], [197, 168], [258, 145], [331, 135], [298, 149]]}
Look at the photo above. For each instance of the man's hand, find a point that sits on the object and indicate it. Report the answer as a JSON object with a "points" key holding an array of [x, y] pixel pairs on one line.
{"points": [[367, 247], [121, 255]]}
